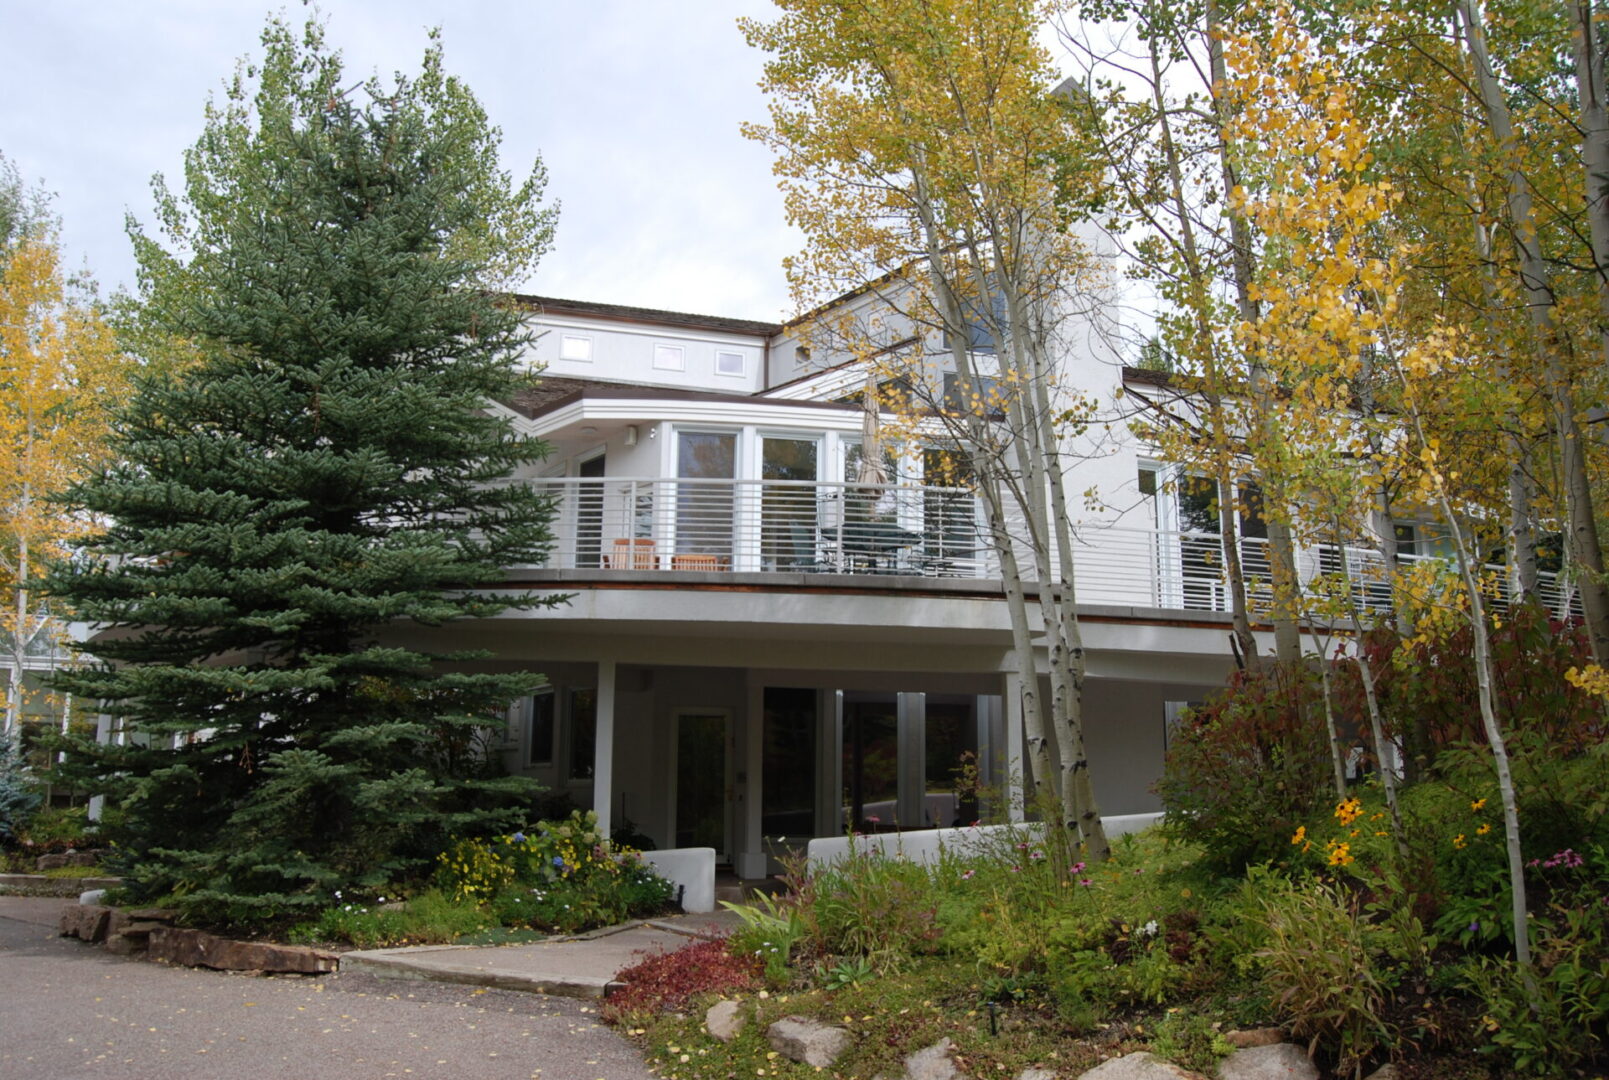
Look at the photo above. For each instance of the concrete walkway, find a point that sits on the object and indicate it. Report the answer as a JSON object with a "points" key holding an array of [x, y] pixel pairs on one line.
{"points": [[583, 966]]}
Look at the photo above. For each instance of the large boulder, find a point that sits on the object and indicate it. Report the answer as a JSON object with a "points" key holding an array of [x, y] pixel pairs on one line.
{"points": [[87, 922], [807, 1041], [724, 1020], [1281, 1061], [1141, 1066], [933, 1063]]}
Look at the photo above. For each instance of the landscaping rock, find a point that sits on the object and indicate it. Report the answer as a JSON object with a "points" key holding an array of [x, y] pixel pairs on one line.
{"points": [[725, 1019], [807, 1041], [1281, 1061], [934, 1063], [1384, 1072], [195, 948], [70, 858], [1036, 1074], [1141, 1066], [92, 896], [87, 922], [1243, 1040]]}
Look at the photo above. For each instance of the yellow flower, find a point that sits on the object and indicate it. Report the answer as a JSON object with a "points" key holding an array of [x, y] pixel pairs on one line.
{"points": [[1348, 811], [1458, 841], [1478, 805], [1301, 835], [1340, 855], [1483, 830]]}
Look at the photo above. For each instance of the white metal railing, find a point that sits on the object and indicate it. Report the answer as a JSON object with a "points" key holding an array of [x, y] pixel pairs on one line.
{"points": [[799, 526], [789, 526]]}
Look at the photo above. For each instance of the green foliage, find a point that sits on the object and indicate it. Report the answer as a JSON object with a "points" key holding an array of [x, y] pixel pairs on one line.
{"points": [[1190, 1040], [1326, 966], [431, 918], [19, 797], [771, 929], [1249, 767], [563, 876], [308, 460], [1556, 1016]]}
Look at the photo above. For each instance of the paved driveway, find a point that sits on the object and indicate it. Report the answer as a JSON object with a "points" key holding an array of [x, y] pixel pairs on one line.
{"points": [[70, 1011]]}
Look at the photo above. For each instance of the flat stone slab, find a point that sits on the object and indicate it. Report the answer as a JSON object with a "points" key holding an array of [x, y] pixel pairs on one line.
{"points": [[1280, 1061], [197, 948], [582, 967]]}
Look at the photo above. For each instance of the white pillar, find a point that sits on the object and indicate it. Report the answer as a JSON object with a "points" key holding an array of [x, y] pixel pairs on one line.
{"points": [[603, 765], [103, 735], [749, 787], [1016, 772]]}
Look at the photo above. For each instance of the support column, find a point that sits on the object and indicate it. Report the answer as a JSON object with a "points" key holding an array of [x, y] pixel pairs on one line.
{"points": [[1016, 772], [911, 756], [103, 735], [749, 790], [603, 765]]}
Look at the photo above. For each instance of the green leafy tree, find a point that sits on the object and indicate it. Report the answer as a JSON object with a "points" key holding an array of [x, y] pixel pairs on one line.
{"points": [[320, 472]]}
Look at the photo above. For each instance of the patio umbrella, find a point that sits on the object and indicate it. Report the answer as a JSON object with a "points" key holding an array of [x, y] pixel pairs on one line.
{"points": [[871, 469]]}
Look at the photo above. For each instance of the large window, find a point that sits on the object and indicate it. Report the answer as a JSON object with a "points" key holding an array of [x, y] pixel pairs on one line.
{"points": [[704, 518], [788, 763], [583, 740], [539, 730]]}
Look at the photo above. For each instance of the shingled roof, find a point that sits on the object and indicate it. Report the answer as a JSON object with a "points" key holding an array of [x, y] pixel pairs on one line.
{"points": [[554, 306]]}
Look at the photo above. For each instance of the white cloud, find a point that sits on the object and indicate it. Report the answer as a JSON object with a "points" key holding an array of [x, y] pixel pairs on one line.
{"points": [[634, 105]]}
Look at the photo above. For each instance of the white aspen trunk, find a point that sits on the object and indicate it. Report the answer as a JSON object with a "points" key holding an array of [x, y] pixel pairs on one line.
{"points": [[1488, 708], [1223, 472], [1281, 542], [1536, 281]]}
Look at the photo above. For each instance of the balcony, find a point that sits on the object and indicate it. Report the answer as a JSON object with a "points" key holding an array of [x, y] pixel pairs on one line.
{"points": [[897, 535]]}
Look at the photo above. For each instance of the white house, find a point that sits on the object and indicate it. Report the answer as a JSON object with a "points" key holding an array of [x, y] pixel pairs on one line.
{"points": [[758, 647]]}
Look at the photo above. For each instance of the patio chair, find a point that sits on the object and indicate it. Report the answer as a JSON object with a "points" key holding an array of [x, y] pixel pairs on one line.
{"points": [[632, 554]]}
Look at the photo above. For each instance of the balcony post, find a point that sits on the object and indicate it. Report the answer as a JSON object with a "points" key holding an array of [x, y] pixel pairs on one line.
{"points": [[603, 766], [1015, 773]]}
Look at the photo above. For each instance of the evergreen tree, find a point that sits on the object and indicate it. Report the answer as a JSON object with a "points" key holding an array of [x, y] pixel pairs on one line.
{"points": [[317, 469]]}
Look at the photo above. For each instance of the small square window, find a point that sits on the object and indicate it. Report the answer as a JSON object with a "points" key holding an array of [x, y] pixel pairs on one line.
{"points": [[729, 363], [670, 358], [575, 347]]}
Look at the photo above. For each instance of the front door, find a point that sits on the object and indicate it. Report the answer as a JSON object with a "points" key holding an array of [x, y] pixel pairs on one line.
{"points": [[701, 766]]}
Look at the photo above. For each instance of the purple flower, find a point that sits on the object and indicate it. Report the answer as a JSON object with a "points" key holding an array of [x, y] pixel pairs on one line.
{"points": [[1076, 868], [518, 838], [1086, 882], [967, 875], [1474, 927]]}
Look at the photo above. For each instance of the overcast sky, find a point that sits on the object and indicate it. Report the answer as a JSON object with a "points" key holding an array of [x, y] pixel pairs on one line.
{"points": [[634, 105]]}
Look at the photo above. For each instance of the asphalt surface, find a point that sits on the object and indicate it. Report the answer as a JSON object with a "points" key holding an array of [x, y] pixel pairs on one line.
{"points": [[70, 1011]]}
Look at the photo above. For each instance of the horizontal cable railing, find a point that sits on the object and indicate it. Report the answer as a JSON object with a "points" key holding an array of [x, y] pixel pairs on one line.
{"points": [[815, 527]]}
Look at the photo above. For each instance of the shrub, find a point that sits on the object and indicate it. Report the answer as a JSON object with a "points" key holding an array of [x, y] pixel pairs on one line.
{"points": [[871, 906], [18, 796], [1249, 767], [1561, 1019], [431, 918], [563, 876], [1328, 967], [666, 982]]}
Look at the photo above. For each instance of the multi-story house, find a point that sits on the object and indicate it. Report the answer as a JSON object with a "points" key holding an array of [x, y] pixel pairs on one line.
{"points": [[761, 646]]}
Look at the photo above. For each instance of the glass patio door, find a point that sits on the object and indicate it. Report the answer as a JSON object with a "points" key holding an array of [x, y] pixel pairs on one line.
{"points": [[705, 512], [788, 513]]}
